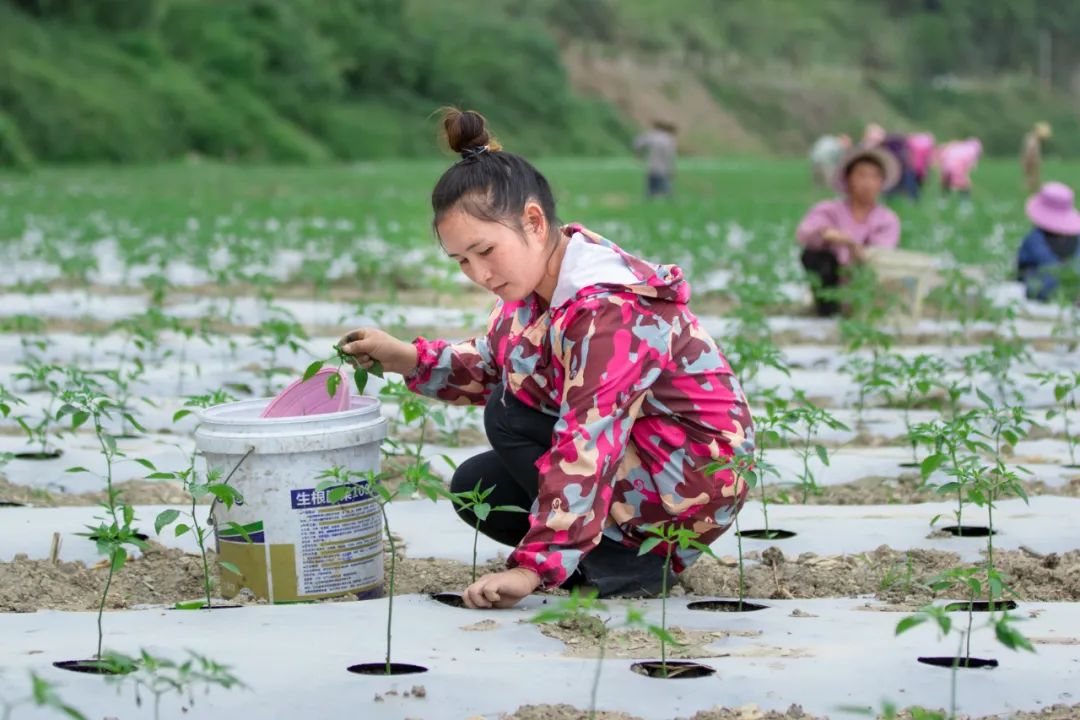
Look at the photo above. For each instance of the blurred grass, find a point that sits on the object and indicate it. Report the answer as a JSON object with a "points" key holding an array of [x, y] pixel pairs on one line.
{"points": [[731, 212]]}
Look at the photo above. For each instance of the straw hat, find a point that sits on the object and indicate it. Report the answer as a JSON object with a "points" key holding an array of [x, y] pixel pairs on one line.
{"points": [[882, 157], [1042, 130], [1053, 209]]}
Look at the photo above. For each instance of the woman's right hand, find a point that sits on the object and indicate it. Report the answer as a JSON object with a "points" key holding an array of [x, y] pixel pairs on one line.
{"points": [[370, 345]]}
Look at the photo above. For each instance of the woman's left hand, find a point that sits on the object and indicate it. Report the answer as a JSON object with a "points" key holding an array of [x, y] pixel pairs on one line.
{"points": [[502, 589]]}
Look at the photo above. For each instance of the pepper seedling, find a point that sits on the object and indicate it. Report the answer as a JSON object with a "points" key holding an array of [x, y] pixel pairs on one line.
{"points": [[360, 375], [475, 501], [673, 537]]}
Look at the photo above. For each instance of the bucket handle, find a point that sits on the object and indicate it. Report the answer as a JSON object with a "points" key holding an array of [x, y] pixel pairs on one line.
{"points": [[213, 504]]}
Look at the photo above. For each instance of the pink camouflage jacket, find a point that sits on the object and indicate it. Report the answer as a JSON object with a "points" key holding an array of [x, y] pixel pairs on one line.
{"points": [[644, 398]]}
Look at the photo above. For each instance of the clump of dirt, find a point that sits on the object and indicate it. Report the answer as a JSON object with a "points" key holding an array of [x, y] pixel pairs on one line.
{"points": [[884, 573], [166, 575], [417, 691], [582, 635], [903, 490], [753, 712], [431, 575], [1053, 712], [160, 576], [134, 492], [747, 712], [562, 712]]}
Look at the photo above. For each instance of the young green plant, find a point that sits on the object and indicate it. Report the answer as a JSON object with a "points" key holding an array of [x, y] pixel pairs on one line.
{"points": [[160, 676], [1066, 388], [742, 467], [196, 489], [1004, 631], [339, 483], [810, 419], [114, 532], [574, 610], [43, 694], [673, 537], [917, 377], [475, 501]]}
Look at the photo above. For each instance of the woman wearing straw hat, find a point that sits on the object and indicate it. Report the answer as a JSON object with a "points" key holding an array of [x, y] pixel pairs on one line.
{"points": [[1031, 154], [836, 233], [1053, 245]]}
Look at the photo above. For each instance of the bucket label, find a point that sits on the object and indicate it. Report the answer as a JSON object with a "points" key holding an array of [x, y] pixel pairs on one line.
{"points": [[340, 543]]}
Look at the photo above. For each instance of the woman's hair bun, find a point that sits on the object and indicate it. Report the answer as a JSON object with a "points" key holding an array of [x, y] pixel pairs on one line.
{"points": [[466, 130]]}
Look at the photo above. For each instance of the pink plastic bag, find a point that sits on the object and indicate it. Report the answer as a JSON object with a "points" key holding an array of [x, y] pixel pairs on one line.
{"points": [[310, 397]]}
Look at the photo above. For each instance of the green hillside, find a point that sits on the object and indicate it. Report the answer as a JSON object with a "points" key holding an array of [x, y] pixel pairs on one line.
{"points": [[310, 80]]}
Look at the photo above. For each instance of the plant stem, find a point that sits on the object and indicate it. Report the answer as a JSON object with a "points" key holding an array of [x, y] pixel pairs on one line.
{"points": [[390, 599], [806, 463], [1068, 436], [952, 689], [110, 499], [101, 607], [971, 616], [663, 610], [959, 490], [202, 553], [764, 504], [596, 677], [742, 581], [475, 537]]}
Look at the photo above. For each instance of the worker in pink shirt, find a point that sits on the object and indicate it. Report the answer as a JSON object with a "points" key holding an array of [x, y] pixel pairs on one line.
{"points": [[957, 160], [835, 233], [920, 147]]}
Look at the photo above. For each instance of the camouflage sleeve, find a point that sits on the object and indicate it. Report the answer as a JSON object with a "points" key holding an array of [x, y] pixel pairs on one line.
{"points": [[609, 358], [458, 373]]}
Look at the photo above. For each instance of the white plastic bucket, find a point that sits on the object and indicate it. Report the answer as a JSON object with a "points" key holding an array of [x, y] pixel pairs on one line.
{"points": [[301, 546]]}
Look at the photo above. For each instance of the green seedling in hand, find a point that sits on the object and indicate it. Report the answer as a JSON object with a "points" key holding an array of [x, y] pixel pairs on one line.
{"points": [[475, 502], [360, 375]]}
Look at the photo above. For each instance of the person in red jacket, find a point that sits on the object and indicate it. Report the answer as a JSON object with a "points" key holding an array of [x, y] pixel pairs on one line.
{"points": [[605, 401]]}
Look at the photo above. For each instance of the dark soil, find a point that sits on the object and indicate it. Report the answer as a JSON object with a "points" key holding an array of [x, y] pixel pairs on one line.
{"points": [[887, 574], [135, 492]]}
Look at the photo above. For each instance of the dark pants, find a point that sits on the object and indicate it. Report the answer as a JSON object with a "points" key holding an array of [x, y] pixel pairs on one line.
{"points": [[657, 185], [825, 278], [519, 435]]}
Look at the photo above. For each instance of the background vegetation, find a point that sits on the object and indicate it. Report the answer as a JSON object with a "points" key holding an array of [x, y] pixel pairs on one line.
{"points": [[312, 80]]}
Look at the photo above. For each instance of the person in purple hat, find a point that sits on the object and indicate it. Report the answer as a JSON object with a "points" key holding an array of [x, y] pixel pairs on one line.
{"points": [[1053, 245]]}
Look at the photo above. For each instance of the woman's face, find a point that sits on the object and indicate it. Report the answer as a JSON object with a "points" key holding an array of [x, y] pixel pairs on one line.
{"points": [[865, 181], [496, 257]]}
